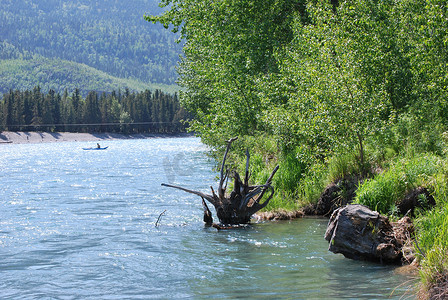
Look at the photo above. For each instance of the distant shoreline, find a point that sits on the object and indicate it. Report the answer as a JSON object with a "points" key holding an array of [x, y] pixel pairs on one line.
{"points": [[21, 137]]}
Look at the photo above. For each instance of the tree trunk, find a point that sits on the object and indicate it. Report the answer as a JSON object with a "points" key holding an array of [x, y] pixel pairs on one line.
{"points": [[238, 206]]}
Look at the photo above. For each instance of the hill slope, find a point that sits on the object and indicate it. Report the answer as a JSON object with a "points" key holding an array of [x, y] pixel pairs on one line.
{"points": [[108, 35], [58, 75]]}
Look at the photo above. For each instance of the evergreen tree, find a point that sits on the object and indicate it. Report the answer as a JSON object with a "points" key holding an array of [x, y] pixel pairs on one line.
{"points": [[33, 109], [47, 111], [92, 113], [18, 110], [7, 110]]}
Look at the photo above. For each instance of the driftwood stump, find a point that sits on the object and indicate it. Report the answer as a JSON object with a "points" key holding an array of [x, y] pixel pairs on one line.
{"points": [[244, 200]]}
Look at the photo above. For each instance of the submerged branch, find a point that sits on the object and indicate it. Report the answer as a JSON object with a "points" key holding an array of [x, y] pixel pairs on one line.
{"points": [[158, 219]]}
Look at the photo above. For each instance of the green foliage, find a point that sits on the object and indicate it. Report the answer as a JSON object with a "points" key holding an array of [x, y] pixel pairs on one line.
{"points": [[342, 87], [229, 44], [432, 230], [415, 133], [329, 83], [383, 191]]}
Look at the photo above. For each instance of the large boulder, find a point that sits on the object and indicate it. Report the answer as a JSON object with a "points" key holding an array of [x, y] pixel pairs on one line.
{"points": [[360, 233]]}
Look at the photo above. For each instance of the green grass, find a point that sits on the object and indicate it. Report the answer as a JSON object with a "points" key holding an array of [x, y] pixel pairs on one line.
{"points": [[432, 233], [312, 184], [433, 242], [341, 166], [383, 191]]}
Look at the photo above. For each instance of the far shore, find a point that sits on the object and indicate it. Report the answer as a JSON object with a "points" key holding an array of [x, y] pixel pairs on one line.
{"points": [[20, 137]]}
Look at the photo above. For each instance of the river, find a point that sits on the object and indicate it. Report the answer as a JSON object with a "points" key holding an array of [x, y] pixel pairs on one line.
{"points": [[78, 224]]}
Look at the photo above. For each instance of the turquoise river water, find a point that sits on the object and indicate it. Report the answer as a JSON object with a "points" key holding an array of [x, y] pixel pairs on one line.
{"points": [[78, 224]]}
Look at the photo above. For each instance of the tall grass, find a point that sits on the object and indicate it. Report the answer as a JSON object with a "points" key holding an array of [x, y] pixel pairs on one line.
{"points": [[286, 181], [381, 193], [433, 242], [432, 234], [312, 184], [341, 166], [384, 191]]}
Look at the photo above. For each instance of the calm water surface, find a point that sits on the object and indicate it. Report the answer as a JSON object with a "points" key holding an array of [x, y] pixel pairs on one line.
{"points": [[78, 224]]}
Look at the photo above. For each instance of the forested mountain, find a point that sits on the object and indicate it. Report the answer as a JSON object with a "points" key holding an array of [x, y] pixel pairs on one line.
{"points": [[58, 75], [108, 35]]}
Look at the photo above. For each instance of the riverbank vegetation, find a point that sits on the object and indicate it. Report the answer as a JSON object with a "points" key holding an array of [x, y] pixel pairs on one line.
{"points": [[328, 90], [120, 112]]}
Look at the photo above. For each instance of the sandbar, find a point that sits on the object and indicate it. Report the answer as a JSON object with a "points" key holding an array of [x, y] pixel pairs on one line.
{"points": [[21, 137]]}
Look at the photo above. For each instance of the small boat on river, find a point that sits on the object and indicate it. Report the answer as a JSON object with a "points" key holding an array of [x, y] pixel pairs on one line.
{"points": [[95, 148], [98, 147]]}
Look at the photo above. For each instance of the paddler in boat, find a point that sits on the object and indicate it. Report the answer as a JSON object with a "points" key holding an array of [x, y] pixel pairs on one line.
{"points": [[98, 145]]}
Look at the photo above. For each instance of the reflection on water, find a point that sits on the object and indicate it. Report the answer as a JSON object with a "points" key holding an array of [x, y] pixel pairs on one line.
{"points": [[81, 224]]}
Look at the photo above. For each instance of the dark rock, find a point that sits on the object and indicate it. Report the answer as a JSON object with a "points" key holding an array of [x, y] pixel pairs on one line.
{"points": [[328, 200], [309, 210], [360, 233], [337, 194], [419, 197]]}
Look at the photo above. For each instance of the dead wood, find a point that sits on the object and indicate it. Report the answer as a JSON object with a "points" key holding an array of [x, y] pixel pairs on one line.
{"points": [[242, 202]]}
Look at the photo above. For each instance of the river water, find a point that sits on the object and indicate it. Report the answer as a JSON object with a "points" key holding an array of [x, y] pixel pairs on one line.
{"points": [[78, 224]]}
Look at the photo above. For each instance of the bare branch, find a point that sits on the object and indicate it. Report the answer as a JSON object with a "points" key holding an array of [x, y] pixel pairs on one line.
{"points": [[250, 196], [206, 196], [268, 183], [227, 179], [221, 180], [272, 175], [257, 206], [208, 219], [246, 176]]}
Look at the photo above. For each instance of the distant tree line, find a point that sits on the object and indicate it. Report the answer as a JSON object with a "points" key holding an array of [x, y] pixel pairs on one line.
{"points": [[124, 112]]}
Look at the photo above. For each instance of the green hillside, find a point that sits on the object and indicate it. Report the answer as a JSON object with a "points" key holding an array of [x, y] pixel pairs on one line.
{"points": [[107, 35], [58, 75]]}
